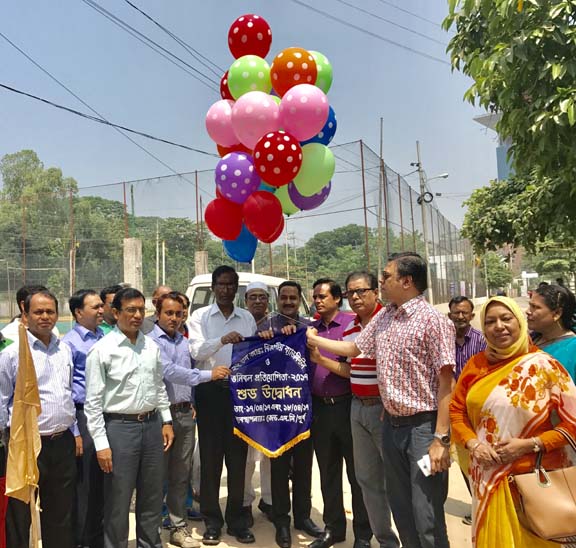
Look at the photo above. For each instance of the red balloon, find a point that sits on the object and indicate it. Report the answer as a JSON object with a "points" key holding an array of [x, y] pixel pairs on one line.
{"points": [[224, 218], [276, 234], [262, 214], [238, 147], [277, 158], [250, 35], [224, 91]]}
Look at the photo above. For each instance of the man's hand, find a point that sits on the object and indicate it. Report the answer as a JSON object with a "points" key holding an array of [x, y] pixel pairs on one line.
{"points": [[104, 457], [79, 446], [439, 457], [193, 413], [220, 372], [315, 355], [168, 435], [288, 329], [232, 338], [311, 334], [267, 334]]}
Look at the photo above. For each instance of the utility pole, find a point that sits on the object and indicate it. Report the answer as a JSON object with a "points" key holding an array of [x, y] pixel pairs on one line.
{"points": [[365, 208], [380, 198], [287, 255], [163, 262], [157, 254], [126, 234]]}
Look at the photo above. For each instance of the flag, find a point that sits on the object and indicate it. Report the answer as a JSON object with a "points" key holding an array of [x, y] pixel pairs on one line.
{"points": [[22, 473]]}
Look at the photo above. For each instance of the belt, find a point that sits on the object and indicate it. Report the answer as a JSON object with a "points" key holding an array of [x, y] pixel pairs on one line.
{"points": [[54, 436], [182, 406], [79, 406], [333, 399], [411, 420], [368, 400], [140, 417]]}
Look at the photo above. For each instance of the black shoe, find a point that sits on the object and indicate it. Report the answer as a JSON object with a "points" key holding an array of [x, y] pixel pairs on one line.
{"points": [[361, 543], [244, 536], [265, 508], [326, 540], [211, 536], [309, 527], [247, 515], [283, 538]]}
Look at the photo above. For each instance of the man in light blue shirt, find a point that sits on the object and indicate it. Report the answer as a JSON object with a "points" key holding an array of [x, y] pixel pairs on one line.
{"points": [[128, 414], [87, 308], [56, 424]]}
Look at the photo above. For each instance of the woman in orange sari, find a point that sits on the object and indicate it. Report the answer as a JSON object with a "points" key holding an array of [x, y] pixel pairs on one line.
{"points": [[501, 413]]}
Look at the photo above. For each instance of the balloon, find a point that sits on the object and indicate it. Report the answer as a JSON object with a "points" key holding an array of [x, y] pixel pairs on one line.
{"points": [[224, 91], [303, 111], [224, 218], [262, 214], [236, 177], [277, 158], [249, 35], [249, 73], [291, 67], [254, 115], [276, 234], [318, 166], [326, 134], [308, 202], [324, 68], [238, 147], [219, 123], [266, 188], [243, 248], [288, 206]]}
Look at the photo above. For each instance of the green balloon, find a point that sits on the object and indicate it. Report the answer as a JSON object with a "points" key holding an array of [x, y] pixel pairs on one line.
{"points": [[287, 206], [324, 78], [249, 73], [318, 166], [276, 99]]}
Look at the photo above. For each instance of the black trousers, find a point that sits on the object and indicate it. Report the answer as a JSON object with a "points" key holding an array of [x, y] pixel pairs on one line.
{"points": [[332, 437], [89, 492], [301, 456], [218, 444], [57, 485]]}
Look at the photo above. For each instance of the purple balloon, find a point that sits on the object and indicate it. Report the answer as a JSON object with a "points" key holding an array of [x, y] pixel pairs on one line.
{"points": [[308, 202], [236, 177]]}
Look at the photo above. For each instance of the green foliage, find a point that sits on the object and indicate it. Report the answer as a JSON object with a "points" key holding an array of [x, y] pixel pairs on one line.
{"points": [[499, 275]]}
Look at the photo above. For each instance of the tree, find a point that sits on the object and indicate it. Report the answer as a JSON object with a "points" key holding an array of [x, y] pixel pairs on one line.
{"points": [[499, 275], [522, 58]]}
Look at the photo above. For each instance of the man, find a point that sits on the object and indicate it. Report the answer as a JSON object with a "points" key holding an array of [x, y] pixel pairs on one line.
{"points": [[331, 433], [413, 345], [56, 423], [150, 321], [300, 456], [179, 378], [256, 298], [107, 296], [86, 307], [213, 331], [469, 341], [129, 419]]}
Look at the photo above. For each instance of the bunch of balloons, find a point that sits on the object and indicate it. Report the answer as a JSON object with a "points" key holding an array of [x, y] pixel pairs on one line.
{"points": [[271, 127]]}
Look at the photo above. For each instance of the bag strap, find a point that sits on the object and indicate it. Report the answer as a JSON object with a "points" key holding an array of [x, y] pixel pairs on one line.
{"points": [[567, 435]]}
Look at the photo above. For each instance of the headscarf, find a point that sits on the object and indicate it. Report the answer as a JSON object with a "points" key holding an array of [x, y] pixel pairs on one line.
{"points": [[519, 347]]}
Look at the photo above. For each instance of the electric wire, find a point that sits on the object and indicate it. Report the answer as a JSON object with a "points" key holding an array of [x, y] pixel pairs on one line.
{"points": [[411, 13]]}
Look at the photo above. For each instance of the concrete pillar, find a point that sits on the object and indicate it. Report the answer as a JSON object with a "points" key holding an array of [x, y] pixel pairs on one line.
{"points": [[201, 263], [133, 262]]}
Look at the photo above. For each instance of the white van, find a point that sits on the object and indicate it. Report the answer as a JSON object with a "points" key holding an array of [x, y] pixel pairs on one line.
{"points": [[200, 292]]}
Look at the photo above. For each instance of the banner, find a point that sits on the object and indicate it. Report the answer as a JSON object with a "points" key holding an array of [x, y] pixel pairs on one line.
{"points": [[271, 392]]}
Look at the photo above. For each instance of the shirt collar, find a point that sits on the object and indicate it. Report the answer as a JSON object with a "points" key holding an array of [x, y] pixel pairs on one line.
{"points": [[339, 319], [379, 307], [86, 333], [409, 307], [159, 333], [37, 343], [216, 310], [121, 338]]}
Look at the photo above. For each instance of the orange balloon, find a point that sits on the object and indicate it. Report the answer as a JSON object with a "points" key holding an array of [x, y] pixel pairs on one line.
{"points": [[239, 147], [291, 67]]}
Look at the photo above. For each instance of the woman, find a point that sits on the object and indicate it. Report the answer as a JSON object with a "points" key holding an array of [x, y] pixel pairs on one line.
{"points": [[500, 412], [551, 318]]}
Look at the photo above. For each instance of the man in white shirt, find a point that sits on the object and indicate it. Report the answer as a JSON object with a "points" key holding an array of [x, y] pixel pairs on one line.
{"points": [[128, 415], [213, 330]]}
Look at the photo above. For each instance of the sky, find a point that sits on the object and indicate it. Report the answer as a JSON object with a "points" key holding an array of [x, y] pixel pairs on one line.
{"points": [[376, 76]]}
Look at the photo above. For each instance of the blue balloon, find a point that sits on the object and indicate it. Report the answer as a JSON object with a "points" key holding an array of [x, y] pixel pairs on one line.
{"points": [[327, 133], [267, 188], [243, 248]]}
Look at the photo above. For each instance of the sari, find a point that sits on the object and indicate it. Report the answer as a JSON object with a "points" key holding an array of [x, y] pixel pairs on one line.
{"points": [[564, 350], [520, 397]]}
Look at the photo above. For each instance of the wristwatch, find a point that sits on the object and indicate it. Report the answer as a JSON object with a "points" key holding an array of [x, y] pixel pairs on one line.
{"points": [[167, 423], [536, 447], [444, 438]]}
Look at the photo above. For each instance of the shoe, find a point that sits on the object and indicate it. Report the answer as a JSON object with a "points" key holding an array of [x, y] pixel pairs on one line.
{"points": [[183, 538], [265, 508], [310, 528], [467, 519], [326, 540], [283, 538], [244, 536], [193, 515], [247, 515], [361, 543], [211, 536]]}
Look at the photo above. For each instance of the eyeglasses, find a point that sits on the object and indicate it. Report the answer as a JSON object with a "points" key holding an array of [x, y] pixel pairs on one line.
{"points": [[133, 310], [257, 297], [360, 292]]}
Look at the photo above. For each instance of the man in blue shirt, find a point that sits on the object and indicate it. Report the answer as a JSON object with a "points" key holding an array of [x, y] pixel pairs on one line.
{"points": [[179, 377], [87, 308]]}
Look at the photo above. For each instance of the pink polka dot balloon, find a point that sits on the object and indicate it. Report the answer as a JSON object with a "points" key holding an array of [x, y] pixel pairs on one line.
{"points": [[254, 115], [249, 35], [277, 158], [219, 123], [236, 177], [303, 111]]}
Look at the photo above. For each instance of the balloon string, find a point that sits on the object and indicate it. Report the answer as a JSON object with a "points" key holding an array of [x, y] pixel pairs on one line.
{"points": [[272, 315]]}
